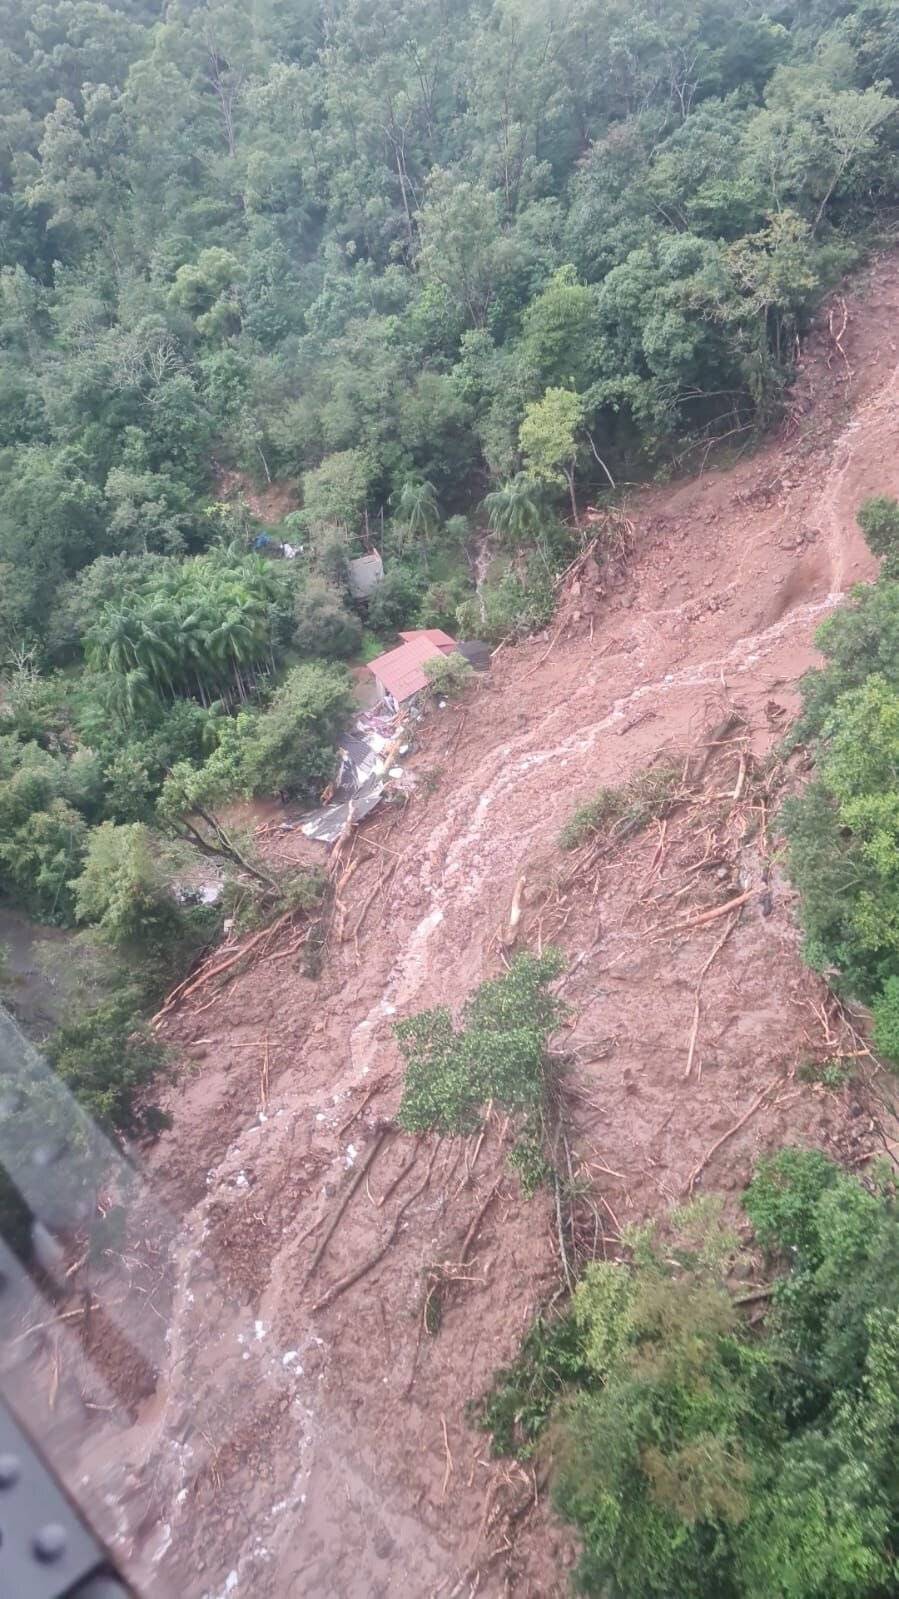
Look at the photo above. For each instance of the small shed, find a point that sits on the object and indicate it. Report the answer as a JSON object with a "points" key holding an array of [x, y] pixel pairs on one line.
{"points": [[399, 673], [364, 574]]}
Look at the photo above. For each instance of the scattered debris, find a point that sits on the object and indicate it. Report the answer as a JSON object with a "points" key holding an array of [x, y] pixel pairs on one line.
{"points": [[510, 931], [757, 1104], [330, 821], [349, 1191]]}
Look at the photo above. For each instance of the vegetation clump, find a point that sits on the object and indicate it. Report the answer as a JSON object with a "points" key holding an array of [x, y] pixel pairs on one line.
{"points": [[878, 519], [498, 1053], [448, 674], [108, 1058], [509, 605], [698, 1456], [620, 811], [843, 830]]}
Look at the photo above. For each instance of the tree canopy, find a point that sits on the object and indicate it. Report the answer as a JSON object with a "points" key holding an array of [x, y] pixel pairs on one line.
{"points": [[698, 1456], [368, 248], [843, 829]]}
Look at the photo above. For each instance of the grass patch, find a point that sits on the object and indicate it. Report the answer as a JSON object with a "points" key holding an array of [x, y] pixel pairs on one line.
{"points": [[623, 810], [831, 1074], [528, 1157], [370, 646]]}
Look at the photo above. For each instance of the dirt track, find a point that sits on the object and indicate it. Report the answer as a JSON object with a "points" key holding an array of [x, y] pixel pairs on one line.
{"points": [[289, 1451]]}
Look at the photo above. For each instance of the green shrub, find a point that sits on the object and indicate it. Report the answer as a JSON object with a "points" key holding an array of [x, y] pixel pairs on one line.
{"points": [[832, 1074], [371, 646], [42, 835], [441, 601], [330, 555], [704, 1459], [878, 519], [448, 674], [843, 837], [454, 534], [782, 1199], [291, 745], [522, 1396], [108, 1058], [654, 1448], [840, 1242], [394, 602], [323, 625], [288, 747], [886, 1020], [336, 491], [35, 707], [623, 810], [843, 831], [123, 891], [528, 1157], [499, 1052], [509, 607], [860, 638], [605, 807]]}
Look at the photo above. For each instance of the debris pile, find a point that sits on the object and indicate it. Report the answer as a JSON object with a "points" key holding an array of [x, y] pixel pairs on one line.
{"points": [[368, 766]]}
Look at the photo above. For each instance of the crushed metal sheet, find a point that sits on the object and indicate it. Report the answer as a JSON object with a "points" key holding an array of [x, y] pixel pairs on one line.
{"points": [[327, 824], [358, 762], [361, 776]]}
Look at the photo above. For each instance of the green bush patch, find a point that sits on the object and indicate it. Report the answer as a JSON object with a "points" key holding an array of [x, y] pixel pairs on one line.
{"points": [[700, 1456], [498, 1053]]}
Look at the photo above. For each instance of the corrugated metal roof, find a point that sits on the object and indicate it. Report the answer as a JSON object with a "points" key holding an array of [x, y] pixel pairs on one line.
{"points": [[400, 670], [435, 634], [365, 573], [327, 824]]}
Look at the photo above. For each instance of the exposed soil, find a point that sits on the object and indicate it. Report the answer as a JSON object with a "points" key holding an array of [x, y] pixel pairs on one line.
{"points": [[299, 1448], [270, 502]]}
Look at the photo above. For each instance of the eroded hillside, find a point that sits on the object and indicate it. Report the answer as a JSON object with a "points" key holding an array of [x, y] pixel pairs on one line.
{"points": [[306, 1433]]}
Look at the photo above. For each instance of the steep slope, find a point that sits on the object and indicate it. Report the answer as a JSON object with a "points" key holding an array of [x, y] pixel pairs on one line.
{"points": [[302, 1443]]}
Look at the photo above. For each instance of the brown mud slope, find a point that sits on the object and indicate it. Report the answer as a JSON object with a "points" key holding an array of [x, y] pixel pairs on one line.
{"points": [[305, 1442]]}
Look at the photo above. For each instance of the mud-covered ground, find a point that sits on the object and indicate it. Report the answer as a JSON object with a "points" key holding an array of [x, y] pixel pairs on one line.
{"points": [[293, 1442]]}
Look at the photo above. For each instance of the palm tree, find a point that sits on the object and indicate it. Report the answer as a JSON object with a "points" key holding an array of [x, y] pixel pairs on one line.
{"points": [[233, 641], [514, 511], [112, 643], [137, 695], [196, 627], [416, 506], [202, 629], [158, 648]]}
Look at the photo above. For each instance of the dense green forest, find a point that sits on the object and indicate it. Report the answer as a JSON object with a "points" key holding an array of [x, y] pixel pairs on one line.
{"points": [[446, 267], [403, 253], [704, 1457]]}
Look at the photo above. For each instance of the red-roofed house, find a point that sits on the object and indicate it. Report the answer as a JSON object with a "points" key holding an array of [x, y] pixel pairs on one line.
{"points": [[399, 674]]}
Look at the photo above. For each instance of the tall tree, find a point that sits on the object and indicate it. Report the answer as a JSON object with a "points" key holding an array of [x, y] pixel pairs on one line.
{"points": [[549, 440]]}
